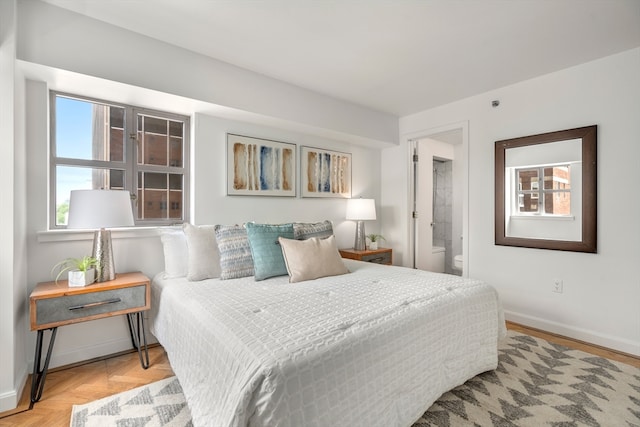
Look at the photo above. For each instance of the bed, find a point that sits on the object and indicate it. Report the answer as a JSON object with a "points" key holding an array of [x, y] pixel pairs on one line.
{"points": [[375, 347]]}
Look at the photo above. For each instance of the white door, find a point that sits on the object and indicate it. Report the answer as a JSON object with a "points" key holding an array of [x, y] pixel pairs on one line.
{"points": [[427, 149], [423, 216]]}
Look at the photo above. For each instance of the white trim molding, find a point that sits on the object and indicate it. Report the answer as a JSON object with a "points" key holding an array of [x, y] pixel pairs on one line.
{"points": [[591, 337]]}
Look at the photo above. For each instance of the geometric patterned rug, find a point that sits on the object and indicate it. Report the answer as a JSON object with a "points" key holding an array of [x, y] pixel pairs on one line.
{"points": [[540, 383], [537, 383], [159, 404]]}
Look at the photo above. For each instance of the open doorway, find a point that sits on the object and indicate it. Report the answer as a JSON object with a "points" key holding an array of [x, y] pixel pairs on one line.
{"points": [[440, 185]]}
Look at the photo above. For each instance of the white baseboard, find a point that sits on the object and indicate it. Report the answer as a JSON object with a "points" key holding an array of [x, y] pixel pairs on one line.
{"points": [[591, 337], [10, 399]]}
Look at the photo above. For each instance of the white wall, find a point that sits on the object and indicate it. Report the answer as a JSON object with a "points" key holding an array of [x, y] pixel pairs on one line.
{"points": [[13, 263], [601, 291], [8, 327]]}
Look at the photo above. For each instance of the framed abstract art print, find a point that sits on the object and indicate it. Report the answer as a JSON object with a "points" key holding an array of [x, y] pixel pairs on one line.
{"points": [[325, 173], [260, 167]]}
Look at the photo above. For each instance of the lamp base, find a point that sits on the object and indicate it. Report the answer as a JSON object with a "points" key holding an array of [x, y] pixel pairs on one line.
{"points": [[103, 252], [360, 243]]}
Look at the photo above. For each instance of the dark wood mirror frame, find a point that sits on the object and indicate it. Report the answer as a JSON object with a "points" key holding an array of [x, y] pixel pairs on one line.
{"points": [[589, 138]]}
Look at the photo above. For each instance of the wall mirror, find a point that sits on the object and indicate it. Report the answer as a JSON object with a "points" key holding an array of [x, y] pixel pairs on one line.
{"points": [[545, 190]]}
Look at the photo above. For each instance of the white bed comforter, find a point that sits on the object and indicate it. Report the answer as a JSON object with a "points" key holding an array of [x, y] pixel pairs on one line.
{"points": [[372, 348]]}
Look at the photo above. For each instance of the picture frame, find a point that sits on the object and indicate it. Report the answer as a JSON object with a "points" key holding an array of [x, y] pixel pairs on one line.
{"points": [[260, 167], [325, 173]]}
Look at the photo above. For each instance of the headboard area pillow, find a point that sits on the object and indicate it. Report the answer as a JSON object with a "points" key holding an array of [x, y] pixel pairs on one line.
{"points": [[204, 260], [312, 258], [265, 248], [307, 230], [176, 258], [235, 253]]}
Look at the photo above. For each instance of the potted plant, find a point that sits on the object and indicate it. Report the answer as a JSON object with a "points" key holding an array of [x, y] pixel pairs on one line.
{"points": [[82, 271], [374, 239]]}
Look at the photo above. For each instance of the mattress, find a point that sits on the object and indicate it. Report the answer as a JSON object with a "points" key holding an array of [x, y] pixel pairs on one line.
{"points": [[375, 347]]}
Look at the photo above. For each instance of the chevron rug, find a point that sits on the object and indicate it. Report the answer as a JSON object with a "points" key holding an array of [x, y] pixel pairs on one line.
{"points": [[537, 383]]}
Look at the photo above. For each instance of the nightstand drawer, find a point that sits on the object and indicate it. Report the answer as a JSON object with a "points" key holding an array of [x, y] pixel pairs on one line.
{"points": [[66, 308], [380, 258]]}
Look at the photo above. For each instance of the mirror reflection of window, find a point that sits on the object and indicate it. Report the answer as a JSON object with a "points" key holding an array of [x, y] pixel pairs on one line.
{"points": [[555, 197]]}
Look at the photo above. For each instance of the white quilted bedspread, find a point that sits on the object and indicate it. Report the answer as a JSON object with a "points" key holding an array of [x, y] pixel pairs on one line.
{"points": [[372, 348]]}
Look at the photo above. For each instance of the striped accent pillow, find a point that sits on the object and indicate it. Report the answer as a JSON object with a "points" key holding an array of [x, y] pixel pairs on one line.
{"points": [[235, 253], [307, 230]]}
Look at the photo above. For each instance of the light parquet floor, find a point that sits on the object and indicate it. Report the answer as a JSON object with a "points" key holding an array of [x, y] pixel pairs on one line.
{"points": [[86, 382]]}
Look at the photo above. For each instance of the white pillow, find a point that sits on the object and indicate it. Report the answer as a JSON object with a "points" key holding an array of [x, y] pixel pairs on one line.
{"points": [[174, 245], [204, 260], [311, 259]]}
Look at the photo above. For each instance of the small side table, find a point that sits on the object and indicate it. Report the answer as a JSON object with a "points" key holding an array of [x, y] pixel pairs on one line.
{"points": [[378, 256], [54, 304]]}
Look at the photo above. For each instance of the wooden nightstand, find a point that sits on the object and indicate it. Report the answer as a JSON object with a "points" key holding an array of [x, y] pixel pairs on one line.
{"points": [[54, 304], [378, 256]]}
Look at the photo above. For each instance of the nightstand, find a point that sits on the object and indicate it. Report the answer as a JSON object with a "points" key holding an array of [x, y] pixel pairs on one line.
{"points": [[54, 304], [378, 256]]}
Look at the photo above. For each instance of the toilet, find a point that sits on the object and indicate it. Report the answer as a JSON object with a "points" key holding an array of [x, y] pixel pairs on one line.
{"points": [[437, 265], [458, 262]]}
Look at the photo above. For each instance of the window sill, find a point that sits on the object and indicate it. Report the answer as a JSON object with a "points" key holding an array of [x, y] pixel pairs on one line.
{"points": [[116, 233], [542, 217]]}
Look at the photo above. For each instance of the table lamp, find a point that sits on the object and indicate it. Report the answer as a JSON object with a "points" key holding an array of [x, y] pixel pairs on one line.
{"points": [[101, 209], [361, 210]]}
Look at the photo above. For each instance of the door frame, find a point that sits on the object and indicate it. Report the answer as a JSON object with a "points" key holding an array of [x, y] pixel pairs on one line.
{"points": [[411, 140]]}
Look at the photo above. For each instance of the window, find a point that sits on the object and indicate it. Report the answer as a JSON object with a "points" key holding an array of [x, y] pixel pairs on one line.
{"points": [[543, 190], [97, 144]]}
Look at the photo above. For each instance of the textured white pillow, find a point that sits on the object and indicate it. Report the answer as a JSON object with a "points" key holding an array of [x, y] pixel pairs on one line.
{"points": [[204, 259], [311, 259], [174, 245]]}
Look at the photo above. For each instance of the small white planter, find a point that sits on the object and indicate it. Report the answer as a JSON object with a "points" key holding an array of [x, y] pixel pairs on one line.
{"points": [[373, 246], [79, 278]]}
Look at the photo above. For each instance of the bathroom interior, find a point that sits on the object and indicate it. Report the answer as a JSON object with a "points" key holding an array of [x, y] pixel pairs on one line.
{"points": [[439, 177], [445, 260]]}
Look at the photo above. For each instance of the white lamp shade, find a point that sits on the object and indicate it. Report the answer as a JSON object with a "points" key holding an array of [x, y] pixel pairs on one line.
{"points": [[100, 209], [361, 209]]}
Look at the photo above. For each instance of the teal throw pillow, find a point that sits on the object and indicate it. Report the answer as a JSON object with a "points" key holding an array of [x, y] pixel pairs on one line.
{"points": [[265, 248]]}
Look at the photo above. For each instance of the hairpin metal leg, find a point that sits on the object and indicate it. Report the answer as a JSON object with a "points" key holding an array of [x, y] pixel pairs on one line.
{"points": [[39, 374], [137, 331]]}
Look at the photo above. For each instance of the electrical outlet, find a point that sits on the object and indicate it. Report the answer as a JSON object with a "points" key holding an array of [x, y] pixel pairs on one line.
{"points": [[557, 286]]}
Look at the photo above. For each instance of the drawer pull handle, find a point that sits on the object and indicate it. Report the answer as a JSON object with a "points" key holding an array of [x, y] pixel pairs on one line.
{"points": [[377, 260], [95, 304]]}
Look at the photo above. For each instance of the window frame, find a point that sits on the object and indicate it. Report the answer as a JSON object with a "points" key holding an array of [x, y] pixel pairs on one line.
{"points": [[129, 164], [539, 192]]}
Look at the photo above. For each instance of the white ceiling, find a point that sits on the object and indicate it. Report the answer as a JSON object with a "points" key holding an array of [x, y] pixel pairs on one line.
{"points": [[396, 56]]}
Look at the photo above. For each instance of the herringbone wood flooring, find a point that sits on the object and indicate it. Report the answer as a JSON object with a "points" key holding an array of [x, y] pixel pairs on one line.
{"points": [[84, 383]]}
